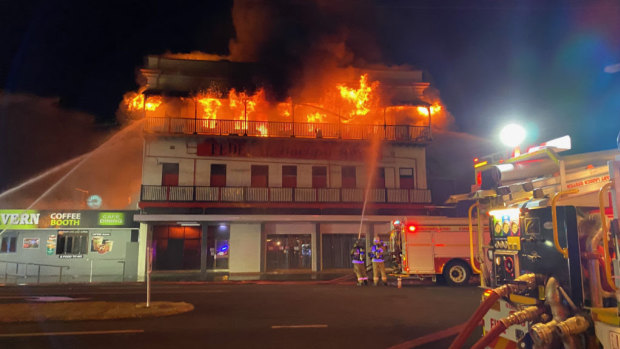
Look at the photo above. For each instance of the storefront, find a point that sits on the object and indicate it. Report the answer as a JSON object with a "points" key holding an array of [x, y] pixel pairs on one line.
{"points": [[69, 246], [254, 244]]}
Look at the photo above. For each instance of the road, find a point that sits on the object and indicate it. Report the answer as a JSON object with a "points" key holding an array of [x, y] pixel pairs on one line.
{"points": [[285, 315]]}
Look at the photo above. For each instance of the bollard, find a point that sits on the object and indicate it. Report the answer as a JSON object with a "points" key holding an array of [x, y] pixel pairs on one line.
{"points": [[399, 282]]}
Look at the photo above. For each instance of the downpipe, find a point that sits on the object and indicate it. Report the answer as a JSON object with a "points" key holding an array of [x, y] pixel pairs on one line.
{"points": [[520, 284]]}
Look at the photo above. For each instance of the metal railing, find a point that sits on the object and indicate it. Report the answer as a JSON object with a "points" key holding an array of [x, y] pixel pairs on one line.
{"points": [[27, 264], [262, 194], [407, 133]]}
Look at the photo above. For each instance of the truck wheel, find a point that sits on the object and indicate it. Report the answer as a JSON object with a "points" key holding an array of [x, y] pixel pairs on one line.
{"points": [[456, 273]]}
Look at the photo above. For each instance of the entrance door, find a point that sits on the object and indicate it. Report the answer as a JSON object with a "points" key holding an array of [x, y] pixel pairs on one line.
{"points": [[218, 246], [336, 250], [176, 247], [174, 254]]}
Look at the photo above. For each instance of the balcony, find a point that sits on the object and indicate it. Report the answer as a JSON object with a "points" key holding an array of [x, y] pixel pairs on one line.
{"points": [[405, 133], [157, 193]]}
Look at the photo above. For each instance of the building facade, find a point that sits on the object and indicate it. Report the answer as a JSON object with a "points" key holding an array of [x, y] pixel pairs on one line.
{"points": [[244, 192], [50, 246]]}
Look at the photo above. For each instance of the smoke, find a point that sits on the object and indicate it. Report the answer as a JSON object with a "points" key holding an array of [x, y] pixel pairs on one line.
{"points": [[36, 134], [43, 143]]}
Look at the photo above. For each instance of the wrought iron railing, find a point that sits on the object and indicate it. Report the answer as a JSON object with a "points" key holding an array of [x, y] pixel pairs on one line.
{"points": [[171, 125], [300, 195]]}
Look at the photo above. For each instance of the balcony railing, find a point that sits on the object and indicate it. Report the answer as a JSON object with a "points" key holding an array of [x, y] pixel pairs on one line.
{"points": [[159, 193], [286, 129]]}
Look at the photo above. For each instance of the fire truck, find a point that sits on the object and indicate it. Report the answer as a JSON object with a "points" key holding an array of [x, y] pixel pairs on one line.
{"points": [[428, 247], [550, 264]]}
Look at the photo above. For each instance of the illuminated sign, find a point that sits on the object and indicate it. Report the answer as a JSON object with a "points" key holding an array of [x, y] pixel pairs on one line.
{"points": [[33, 219], [65, 219], [19, 219], [94, 201], [111, 218]]}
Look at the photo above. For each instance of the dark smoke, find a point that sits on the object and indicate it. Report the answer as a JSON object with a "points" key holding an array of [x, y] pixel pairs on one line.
{"points": [[298, 41]]}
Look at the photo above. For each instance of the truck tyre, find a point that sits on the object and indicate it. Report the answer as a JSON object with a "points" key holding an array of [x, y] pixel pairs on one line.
{"points": [[456, 273]]}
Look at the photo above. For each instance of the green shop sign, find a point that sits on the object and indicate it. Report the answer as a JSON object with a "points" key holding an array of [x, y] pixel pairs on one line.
{"points": [[111, 218], [19, 219], [46, 219]]}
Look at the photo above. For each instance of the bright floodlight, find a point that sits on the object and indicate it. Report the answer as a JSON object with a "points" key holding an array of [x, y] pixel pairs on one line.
{"points": [[512, 135]]}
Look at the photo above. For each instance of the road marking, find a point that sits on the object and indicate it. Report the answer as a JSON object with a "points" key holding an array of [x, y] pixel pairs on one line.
{"points": [[299, 326], [429, 338], [73, 333]]}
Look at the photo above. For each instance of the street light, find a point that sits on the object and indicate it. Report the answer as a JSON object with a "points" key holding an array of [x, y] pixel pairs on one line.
{"points": [[512, 135]]}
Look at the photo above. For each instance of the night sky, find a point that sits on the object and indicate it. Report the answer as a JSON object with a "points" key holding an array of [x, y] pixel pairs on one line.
{"points": [[537, 62]]}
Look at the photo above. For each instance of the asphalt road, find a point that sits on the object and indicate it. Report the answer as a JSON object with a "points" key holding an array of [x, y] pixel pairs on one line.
{"points": [[297, 315]]}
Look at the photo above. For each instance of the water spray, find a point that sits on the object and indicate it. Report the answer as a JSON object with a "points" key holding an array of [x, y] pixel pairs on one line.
{"points": [[374, 154]]}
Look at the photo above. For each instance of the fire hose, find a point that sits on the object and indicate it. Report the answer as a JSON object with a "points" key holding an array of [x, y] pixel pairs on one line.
{"points": [[527, 314], [494, 295]]}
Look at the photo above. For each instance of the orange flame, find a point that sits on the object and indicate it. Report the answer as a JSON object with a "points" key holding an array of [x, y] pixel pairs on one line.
{"points": [[434, 110], [360, 98]]}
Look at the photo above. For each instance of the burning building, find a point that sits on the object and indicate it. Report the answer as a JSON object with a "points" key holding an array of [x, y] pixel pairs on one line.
{"points": [[234, 179]]}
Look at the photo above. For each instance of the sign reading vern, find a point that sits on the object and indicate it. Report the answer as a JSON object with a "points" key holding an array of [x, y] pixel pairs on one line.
{"points": [[19, 219]]}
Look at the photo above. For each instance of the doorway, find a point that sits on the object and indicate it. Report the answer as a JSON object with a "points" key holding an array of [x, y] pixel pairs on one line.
{"points": [[336, 250], [218, 246]]}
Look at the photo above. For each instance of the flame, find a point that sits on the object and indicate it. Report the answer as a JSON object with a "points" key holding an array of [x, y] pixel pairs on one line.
{"points": [[242, 111], [435, 108], [153, 102], [262, 130], [134, 101], [360, 98]]}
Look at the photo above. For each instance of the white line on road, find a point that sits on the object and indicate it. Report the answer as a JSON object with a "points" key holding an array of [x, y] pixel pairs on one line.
{"points": [[74, 333], [299, 326]]}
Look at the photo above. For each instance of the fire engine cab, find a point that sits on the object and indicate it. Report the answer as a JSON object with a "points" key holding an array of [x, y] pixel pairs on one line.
{"points": [[427, 247]]}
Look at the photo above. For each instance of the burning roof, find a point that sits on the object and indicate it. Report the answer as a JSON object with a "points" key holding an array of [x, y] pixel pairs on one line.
{"points": [[180, 87]]}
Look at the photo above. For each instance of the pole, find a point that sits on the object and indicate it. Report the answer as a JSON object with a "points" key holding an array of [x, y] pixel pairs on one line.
{"points": [[245, 115], [429, 120], [148, 276]]}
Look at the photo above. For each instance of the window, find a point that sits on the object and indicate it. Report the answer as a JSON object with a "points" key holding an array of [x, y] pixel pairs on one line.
{"points": [[9, 244], [406, 178], [72, 243], [348, 177], [289, 176], [260, 176], [319, 177], [170, 174], [380, 178], [218, 175]]}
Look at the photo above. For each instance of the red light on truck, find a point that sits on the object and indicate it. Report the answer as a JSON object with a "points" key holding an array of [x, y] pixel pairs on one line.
{"points": [[411, 228]]}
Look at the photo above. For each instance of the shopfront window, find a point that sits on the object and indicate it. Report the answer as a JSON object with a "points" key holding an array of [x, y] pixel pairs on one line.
{"points": [[288, 252], [72, 243], [9, 244]]}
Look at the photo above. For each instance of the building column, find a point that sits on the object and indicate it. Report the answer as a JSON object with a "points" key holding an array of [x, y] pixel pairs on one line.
{"points": [[145, 236], [315, 239], [203, 250]]}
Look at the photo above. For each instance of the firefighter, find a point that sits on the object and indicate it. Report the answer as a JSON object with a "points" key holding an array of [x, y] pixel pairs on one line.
{"points": [[378, 265], [358, 257]]}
